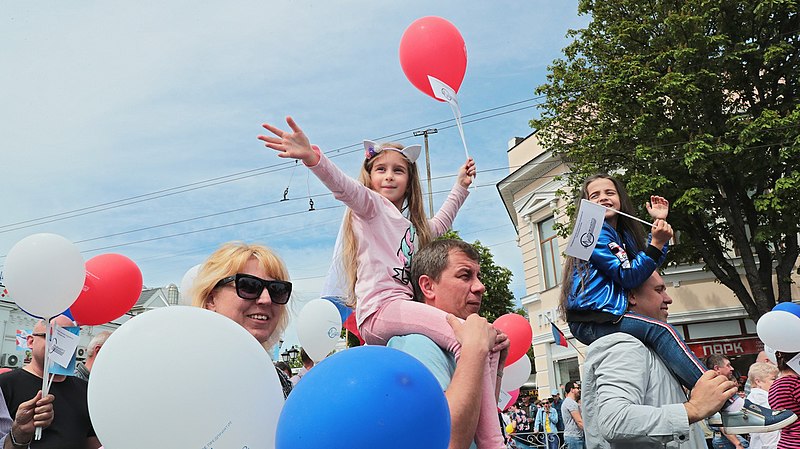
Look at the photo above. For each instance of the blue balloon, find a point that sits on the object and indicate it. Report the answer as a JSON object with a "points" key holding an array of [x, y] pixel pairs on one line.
{"points": [[366, 397], [788, 307], [339, 302]]}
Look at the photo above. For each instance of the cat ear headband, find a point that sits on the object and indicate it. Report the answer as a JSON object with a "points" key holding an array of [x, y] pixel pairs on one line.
{"points": [[372, 149]]}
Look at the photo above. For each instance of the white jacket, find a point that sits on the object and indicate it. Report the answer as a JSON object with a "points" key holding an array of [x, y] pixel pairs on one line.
{"points": [[631, 400]]}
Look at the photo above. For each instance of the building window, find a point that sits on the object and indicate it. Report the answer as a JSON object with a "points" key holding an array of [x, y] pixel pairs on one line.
{"points": [[566, 370], [548, 248]]}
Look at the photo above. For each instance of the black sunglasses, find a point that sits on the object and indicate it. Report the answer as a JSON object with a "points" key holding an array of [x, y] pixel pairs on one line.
{"points": [[251, 287]]}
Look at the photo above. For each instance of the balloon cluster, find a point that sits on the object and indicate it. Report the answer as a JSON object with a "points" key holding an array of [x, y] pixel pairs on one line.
{"points": [[779, 328], [46, 276]]}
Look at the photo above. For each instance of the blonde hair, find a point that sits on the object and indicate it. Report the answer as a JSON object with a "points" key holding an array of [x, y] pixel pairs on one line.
{"points": [[230, 259], [761, 371], [413, 204]]}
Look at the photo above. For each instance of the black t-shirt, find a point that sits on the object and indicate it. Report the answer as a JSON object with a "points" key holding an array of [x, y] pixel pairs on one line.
{"points": [[71, 425]]}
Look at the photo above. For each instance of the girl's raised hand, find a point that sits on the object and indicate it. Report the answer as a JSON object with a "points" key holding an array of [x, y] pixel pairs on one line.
{"points": [[657, 207], [660, 234], [294, 145], [466, 173]]}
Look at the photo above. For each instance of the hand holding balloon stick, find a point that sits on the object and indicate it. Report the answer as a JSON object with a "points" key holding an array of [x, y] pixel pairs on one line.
{"points": [[64, 265], [434, 59]]}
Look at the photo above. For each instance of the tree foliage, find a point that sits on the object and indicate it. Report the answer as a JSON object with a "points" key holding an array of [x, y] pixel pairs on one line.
{"points": [[498, 299], [695, 100]]}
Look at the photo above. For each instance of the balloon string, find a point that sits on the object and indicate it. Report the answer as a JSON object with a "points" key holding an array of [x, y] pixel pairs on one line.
{"points": [[457, 115], [46, 374]]}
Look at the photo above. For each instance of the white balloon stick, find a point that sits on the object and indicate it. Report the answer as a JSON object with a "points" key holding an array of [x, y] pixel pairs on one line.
{"points": [[446, 93], [46, 369], [629, 216]]}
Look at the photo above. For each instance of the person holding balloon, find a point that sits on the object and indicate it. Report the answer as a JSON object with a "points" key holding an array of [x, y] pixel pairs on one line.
{"points": [[247, 283], [384, 226], [785, 394], [18, 432], [71, 426]]}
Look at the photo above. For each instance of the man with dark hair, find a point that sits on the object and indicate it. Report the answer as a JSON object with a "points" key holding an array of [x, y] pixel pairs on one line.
{"points": [[445, 274], [571, 412], [722, 366]]}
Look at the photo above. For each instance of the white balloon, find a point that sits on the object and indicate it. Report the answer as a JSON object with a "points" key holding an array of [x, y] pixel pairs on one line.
{"points": [[184, 377], [770, 354], [780, 330], [319, 326], [44, 274], [186, 285], [516, 374]]}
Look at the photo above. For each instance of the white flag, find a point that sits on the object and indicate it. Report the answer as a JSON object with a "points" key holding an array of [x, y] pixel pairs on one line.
{"points": [[587, 229], [446, 93]]}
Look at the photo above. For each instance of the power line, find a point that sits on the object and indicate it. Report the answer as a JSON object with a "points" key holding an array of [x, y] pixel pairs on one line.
{"points": [[230, 177], [489, 184]]}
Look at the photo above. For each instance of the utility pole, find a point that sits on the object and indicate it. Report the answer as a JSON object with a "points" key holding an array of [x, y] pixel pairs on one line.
{"points": [[428, 165]]}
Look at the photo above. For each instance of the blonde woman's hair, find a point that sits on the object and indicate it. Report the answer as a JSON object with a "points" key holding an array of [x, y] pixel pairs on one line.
{"points": [[761, 371], [230, 259], [414, 206]]}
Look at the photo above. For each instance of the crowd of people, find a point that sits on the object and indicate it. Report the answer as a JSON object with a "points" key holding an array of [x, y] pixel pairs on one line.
{"points": [[422, 296]]}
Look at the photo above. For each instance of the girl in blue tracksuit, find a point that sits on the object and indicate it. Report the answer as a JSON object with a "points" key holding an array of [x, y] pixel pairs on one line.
{"points": [[594, 294]]}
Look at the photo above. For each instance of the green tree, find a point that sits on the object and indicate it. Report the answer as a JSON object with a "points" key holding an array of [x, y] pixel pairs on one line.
{"points": [[498, 299], [695, 100]]}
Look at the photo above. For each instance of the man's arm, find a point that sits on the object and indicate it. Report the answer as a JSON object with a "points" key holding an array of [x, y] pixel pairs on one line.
{"points": [[501, 344], [708, 395], [37, 412], [576, 415], [92, 443], [463, 395], [622, 368]]}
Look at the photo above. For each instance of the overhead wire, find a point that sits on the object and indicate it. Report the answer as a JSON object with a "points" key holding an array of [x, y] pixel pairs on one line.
{"points": [[230, 177]]}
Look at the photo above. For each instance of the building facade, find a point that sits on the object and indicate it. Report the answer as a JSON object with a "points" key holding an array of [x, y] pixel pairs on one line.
{"points": [[14, 322], [705, 312]]}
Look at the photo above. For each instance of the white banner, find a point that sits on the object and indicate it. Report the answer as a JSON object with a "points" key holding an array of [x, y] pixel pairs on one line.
{"points": [[587, 229]]}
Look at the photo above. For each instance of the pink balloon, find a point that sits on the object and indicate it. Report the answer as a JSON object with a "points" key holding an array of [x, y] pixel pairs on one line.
{"points": [[433, 46], [113, 285], [519, 332]]}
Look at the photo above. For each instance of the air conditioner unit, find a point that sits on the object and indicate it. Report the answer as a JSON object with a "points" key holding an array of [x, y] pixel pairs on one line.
{"points": [[10, 360], [80, 353]]}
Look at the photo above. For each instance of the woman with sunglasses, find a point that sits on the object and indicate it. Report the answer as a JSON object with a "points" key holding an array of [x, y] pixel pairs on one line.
{"points": [[248, 284]]}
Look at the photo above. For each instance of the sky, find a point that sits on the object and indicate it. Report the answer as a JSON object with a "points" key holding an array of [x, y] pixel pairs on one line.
{"points": [[130, 127]]}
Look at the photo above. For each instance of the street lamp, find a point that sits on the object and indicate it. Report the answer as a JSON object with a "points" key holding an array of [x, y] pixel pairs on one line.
{"points": [[428, 164], [290, 354]]}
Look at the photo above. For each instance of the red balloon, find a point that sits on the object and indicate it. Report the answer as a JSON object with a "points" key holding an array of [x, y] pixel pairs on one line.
{"points": [[520, 335], [113, 285], [433, 46], [514, 396]]}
